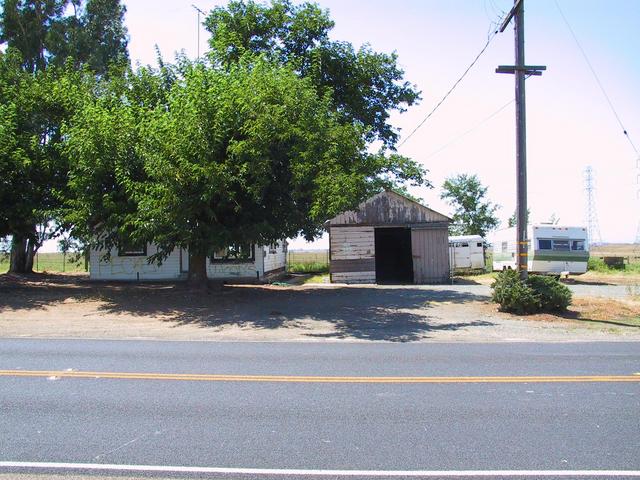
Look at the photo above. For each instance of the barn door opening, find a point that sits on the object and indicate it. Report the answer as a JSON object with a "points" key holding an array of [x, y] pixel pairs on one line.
{"points": [[394, 262]]}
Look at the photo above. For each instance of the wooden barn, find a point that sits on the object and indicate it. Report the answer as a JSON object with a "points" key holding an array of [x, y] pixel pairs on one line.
{"points": [[389, 239]]}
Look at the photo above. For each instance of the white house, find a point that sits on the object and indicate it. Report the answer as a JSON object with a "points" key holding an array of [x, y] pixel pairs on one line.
{"points": [[250, 262]]}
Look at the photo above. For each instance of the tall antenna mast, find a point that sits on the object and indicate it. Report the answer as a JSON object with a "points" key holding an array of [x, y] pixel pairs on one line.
{"points": [[593, 229], [198, 28]]}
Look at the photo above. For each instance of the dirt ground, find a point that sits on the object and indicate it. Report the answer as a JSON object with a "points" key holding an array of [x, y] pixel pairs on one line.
{"points": [[68, 306]]}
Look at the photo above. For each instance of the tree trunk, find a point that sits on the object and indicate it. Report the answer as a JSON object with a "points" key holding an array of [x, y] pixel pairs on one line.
{"points": [[17, 262], [197, 278], [23, 252], [29, 256]]}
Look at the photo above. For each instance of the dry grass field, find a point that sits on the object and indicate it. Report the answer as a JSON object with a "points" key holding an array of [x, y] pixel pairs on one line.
{"points": [[627, 250]]}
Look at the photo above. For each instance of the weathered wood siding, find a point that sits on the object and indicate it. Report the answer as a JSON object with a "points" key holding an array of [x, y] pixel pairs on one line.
{"points": [[430, 249], [352, 254], [388, 208]]}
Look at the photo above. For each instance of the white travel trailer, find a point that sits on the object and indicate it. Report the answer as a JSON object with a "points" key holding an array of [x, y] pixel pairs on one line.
{"points": [[551, 249], [466, 252]]}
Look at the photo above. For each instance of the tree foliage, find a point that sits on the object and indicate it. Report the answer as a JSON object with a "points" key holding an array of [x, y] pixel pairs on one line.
{"points": [[474, 215], [267, 138], [47, 32], [42, 74], [214, 157], [32, 167], [364, 86]]}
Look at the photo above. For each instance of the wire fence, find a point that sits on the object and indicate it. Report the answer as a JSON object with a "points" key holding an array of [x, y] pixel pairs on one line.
{"points": [[51, 262], [308, 261]]}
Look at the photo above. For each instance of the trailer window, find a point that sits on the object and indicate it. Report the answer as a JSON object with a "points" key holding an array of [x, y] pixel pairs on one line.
{"points": [[479, 244], [504, 247], [562, 245], [464, 245], [577, 245], [544, 244]]}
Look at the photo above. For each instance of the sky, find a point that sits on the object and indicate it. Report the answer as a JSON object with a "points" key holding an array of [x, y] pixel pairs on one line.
{"points": [[570, 124]]}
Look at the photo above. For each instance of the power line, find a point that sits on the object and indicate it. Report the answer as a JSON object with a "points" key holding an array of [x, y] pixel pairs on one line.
{"points": [[467, 132], [456, 83], [595, 75]]}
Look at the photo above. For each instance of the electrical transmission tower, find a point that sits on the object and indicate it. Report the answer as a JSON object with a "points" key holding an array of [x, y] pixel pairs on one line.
{"points": [[637, 241], [593, 229]]}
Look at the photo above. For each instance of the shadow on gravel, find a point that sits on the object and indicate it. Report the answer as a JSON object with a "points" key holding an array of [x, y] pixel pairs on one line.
{"points": [[369, 313]]}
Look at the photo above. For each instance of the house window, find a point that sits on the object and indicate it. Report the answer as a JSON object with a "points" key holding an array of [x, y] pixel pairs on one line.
{"points": [[562, 245], [132, 250], [544, 244], [273, 248], [237, 253], [577, 245], [504, 247]]}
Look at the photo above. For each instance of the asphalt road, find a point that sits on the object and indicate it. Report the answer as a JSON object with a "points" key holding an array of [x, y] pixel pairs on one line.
{"points": [[279, 407]]}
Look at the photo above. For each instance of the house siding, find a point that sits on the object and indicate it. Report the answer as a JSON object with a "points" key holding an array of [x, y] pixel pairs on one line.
{"points": [[275, 261], [175, 266], [133, 268]]}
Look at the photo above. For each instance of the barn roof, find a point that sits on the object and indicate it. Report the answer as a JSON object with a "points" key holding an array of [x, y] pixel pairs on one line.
{"points": [[388, 208]]}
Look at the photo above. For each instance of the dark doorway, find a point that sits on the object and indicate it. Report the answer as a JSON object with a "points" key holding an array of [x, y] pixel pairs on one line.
{"points": [[394, 262]]}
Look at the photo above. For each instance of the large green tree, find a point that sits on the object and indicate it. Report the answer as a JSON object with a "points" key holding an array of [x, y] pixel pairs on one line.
{"points": [[216, 157], [48, 32], [267, 138], [474, 214], [32, 167], [47, 44], [364, 86]]}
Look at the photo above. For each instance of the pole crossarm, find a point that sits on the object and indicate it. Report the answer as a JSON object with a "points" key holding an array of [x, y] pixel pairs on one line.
{"points": [[527, 69], [508, 18]]}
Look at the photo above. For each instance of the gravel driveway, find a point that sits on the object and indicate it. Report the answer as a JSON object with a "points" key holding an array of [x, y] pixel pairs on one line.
{"points": [[580, 290], [448, 313]]}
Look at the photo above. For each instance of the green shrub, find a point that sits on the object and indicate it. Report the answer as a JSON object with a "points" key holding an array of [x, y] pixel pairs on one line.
{"points": [[554, 296], [597, 265], [513, 295], [537, 293]]}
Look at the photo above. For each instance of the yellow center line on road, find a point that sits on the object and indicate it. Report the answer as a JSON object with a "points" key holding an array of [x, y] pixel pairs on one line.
{"points": [[315, 379]]}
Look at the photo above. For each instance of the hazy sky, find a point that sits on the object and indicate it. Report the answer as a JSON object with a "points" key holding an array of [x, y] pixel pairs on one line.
{"points": [[570, 125]]}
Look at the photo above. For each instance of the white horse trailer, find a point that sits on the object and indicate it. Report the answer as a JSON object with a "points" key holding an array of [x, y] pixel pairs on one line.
{"points": [[551, 249], [466, 252]]}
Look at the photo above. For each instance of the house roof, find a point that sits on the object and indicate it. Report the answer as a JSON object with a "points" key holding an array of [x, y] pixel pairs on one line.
{"points": [[388, 208]]}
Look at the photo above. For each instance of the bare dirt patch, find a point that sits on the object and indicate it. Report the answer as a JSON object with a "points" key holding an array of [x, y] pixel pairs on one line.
{"points": [[601, 312], [72, 307]]}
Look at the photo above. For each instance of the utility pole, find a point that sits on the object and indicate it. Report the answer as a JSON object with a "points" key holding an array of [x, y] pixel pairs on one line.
{"points": [[521, 71], [198, 28]]}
